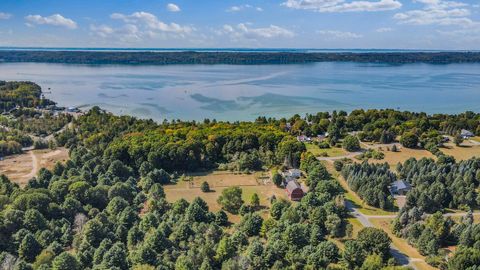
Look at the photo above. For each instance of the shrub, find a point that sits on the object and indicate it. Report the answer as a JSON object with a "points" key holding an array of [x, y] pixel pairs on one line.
{"points": [[351, 143], [205, 187]]}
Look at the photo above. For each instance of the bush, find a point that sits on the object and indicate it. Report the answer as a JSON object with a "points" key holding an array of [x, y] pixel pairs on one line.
{"points": [[409, 140], [205, 187], [231, 199], [351, 143], [277, 179], [40, 144], [323, 145], [338, 164]]}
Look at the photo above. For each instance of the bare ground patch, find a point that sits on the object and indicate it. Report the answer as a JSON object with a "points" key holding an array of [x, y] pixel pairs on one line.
{"points": [[21, 168]]}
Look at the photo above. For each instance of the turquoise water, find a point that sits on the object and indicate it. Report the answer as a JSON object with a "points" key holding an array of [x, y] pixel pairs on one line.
{"points": [[233, 92]]}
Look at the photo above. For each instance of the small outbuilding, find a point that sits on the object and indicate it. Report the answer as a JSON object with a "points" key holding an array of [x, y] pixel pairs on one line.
{"points": [[400, 187], [294, 191]]}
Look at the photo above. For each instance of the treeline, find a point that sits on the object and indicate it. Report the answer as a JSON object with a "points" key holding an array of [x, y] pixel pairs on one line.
{"points": [[22, 94], [236, 58], [371, 182], [98, 212], [185, 146], [12, 141], [416, 130], [441, 184]]}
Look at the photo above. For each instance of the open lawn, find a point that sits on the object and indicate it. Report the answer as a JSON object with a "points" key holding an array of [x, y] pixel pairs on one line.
{"points": [[21, 168], [392, 158], [330, 152], [463, 152], [218, 181]]}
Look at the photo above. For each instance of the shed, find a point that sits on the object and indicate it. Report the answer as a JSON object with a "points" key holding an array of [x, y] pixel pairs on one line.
{"points": [[294, 191], [400, 187]]}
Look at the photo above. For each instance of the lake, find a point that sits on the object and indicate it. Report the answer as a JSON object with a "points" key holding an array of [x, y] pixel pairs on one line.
{"points": [[234, 92]]}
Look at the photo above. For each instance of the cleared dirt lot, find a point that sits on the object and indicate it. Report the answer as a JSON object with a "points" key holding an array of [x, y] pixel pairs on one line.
{"points": [[21, 168], [218, 181]]}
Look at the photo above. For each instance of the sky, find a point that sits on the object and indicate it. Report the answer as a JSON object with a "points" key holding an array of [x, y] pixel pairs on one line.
{"points": [[340, 24]]}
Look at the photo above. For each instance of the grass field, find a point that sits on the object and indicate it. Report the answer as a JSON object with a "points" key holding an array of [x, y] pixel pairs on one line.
{"points": [[21, 168], [218, 181], [463, 152], [331, 152], [392, 158]]}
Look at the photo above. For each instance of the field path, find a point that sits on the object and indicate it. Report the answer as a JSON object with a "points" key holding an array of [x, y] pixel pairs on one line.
{"points": [[35, 162]]}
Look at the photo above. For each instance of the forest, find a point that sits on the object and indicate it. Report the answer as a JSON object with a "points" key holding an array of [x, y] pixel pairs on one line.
{"points": [[23, 94], [234, 58], [106, 206]]}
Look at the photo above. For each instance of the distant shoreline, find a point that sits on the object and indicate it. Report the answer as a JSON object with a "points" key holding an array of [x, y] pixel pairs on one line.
{"points": [[231, 57]]}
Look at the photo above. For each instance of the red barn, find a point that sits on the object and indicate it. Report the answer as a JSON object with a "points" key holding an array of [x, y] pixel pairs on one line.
{"points": [[294, 191]]}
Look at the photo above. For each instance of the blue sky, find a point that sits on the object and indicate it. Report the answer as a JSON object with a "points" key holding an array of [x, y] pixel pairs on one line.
{"points": [[399, 24]]}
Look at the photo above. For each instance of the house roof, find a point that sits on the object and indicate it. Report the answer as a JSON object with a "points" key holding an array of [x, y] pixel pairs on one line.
{"points": [[466, 132], [292, 185], [400, 184]]}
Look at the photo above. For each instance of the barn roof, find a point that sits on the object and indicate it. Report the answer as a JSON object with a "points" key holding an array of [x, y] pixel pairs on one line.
{"points": [[292, 185]]}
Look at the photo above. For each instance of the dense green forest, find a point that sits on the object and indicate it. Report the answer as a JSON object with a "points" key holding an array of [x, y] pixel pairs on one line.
{"points": [[106, 206], [371, 182], [23, 94], [237, 58]]}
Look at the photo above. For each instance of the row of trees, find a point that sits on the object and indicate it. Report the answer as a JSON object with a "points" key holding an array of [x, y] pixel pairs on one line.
{"points": [[371, 182]]}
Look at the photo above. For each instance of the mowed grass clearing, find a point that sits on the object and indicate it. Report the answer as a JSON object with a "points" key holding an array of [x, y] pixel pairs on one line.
{"points": [[21, 168], [463, 152], [393, 158], [330, 152], [218, 181]]}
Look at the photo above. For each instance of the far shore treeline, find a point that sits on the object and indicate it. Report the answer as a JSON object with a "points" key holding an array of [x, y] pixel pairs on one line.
{"points": [[234, 58]]}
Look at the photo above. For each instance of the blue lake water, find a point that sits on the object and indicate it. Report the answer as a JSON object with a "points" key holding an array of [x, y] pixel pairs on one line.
{"points": [[235, 92]]}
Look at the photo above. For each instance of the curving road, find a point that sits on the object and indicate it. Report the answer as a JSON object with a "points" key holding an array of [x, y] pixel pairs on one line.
{"points": [[401, 258]]}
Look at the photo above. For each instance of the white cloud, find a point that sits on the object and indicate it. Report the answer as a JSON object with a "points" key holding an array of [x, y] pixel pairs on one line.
{"points": [[243, 7], [140, 27], [342, 5], [151, 22], [55, 20], [5, 16], [384, 29], [126, 33], [437, 12], [244, 31], [339, 34], [173, 8]]}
